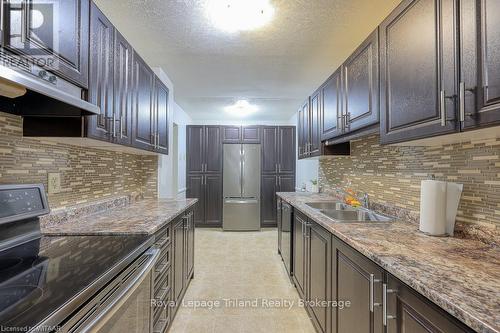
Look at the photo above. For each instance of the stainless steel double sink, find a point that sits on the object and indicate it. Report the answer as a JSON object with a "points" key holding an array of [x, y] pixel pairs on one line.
{"points": [[343, 213]]}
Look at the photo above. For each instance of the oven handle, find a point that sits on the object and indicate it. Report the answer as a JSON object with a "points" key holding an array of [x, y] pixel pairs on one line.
{"points": [[103, 316]]}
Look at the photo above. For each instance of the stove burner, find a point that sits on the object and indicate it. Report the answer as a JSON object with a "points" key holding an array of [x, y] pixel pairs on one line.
{"points": [[9, 263]]}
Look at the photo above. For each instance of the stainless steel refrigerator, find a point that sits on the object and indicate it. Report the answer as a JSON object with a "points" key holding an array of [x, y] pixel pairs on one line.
{"points": [[241, 187]]}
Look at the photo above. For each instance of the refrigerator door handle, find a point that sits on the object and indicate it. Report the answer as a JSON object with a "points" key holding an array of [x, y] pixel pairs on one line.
{"points": [[241, 201]]}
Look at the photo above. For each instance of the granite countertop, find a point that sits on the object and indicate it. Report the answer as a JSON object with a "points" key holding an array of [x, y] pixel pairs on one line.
{"points": [[142, 217], [461, 276]]}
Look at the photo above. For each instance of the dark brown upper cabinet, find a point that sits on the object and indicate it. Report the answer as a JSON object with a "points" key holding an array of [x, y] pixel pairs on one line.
{"points": [[241, 134], [417, 70], [231, 134], [123, 54], [250, 134], [270, 149], [303, 129], [204, 147], [161, 94], [361, 85], [101, 81], [314, 145], [479, 86], [286, 149], [68, 53], [331, 111], [143, 134]]}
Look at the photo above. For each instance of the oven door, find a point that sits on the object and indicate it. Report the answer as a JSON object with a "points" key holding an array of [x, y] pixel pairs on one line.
{"points": [[124, 305]]}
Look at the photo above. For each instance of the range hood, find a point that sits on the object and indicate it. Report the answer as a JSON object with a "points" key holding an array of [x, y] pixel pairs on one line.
{"points": [[36, 93]]}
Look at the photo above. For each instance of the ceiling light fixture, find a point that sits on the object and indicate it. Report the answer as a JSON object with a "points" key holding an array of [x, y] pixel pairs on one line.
{"points": [[239, 15], [241, 108]]}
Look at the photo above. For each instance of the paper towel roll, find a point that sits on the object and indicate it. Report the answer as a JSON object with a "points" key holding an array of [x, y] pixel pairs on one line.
{"points": [[433, 207], [438, 207]]}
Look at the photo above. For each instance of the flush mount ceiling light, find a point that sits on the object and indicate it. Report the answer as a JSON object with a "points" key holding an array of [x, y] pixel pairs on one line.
{"points": [[239, 15], [241, 108]]}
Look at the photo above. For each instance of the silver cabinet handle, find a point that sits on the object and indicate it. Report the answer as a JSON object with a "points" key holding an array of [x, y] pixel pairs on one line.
{"points": [[372, 292], [121, 127], [442, 108], [386, 291], [24, 22], [114, 125], [347, 121], [462, 91]]}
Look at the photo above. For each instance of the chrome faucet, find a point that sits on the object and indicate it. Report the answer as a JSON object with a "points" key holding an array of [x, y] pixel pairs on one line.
{"points": [[365, 200]]}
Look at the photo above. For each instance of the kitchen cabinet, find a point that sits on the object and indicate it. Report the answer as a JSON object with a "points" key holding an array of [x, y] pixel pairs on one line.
{"points": [[407, 311], [204, 149], [69, 58], [309, 127], [285, 233], [270, 184], [299, 253], [207, 188], [270, 149], [312, 267], [319, 242], [286, 150], [101, 77], [160, 123], [417, 71], [231, 134], [360, 83], [183, 255], [479, 86], [331, 110], [123, 54], [241, 134], [143, 133], [303, 129], [358, 280]]}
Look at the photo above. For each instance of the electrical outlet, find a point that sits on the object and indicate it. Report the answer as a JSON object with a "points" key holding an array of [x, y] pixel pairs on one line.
{"points": [[54, 182]]}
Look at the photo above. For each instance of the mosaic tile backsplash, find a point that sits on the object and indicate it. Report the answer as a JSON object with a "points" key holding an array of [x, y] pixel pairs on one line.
{"points": [[391, 175], [87, 174]]}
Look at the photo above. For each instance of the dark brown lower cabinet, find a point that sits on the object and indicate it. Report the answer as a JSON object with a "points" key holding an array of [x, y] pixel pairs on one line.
{"points": [[183, 255], [299, 253], [319, 275], [270, 184], [358, 280], [409, 312], [207, 188]]}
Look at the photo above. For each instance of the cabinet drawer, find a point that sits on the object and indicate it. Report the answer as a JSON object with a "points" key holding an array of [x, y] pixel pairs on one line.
{"points": [[164, 262], [161, 317], [162, 285]]}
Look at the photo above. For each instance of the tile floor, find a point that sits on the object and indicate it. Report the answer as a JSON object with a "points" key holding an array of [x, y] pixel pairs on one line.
{"points": [[239, 267]]}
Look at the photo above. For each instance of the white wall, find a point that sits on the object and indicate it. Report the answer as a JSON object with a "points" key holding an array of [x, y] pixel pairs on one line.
{"points": [[166, 182], [307, 170]]}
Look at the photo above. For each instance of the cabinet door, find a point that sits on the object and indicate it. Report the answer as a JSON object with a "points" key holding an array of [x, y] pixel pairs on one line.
{"points": [[189, 249], [279, 222], [196, 189], [231, 134], [250, 134], [359, 280], [143, 111], [418, 66], [123, 84], [269, 187], [101, 77], [178, 248], [269, 149], [331, 111], [60, 42], [161, 94], [480, 63], [314, 128], [415, 314], [286, 183], [299, 253], [303, 129], [361, 85], [319, 275], [286, 150], [213, 149], [213, 201], [195, 149]]}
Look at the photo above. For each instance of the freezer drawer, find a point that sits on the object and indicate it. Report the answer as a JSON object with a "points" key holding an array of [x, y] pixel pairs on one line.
{"points": [[241, 214]]}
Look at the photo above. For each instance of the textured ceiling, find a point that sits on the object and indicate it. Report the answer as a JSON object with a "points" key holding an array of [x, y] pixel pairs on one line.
{"points": [[274, 67]]}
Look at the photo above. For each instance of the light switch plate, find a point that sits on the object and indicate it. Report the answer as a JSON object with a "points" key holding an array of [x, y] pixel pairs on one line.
{"points": [[54, 182]]}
